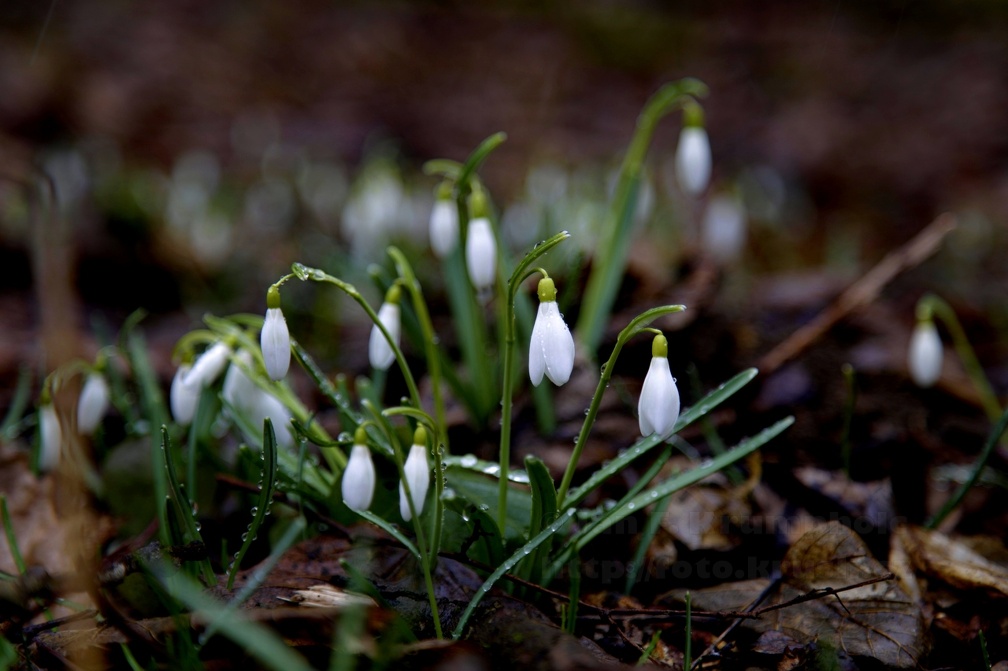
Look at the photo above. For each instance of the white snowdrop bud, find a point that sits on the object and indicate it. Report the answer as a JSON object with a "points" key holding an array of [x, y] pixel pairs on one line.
{"points": [[275, 338], [658, 407], [50, 436], [93, 403], [481, 253], [380, 353], [551, 347], [417, 475], [239, 391], [723, 234], [183, 396], [444, 223], [924, 357], [209, 366], [693, 154], [359, 476]]}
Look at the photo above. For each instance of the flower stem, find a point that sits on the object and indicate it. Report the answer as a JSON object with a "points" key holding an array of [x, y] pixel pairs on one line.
{"points": [[636, 325], [520, 274], [615, 243], [932, 304]]}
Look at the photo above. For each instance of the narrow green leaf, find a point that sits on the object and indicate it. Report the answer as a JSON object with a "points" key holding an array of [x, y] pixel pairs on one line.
{"points": [[267, 485], [256, 639], [8, 526], [480, 488], [673, 484], [182, 506], [544, 511], [18, 404], [391, 530], [642, 446], [508, 564]]}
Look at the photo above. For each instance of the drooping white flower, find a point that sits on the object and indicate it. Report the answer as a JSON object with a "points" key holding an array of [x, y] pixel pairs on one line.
{"points": [[380, 353], [208, 366], [658, 407], [270, 406], [183, 396], [50, 437], [417, 475], [444, 224], [723, 230], [693, 160], [359, 476], [239, 391], [275, 338], [924, 358], [551, 347], [481, 253], [93, 403]]}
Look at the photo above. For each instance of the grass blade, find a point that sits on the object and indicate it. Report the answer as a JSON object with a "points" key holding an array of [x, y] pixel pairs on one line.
{"points": [[688, 416], [267, 485], [508, 564], [180, 503]]}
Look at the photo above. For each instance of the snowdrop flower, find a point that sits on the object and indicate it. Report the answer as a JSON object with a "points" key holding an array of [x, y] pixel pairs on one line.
{"points": [[270, 406], [190, 380], [481, 253], [239, 391], [551, 348], [444, 223], [658, 408], [50, 435], [93, 403], [380, 353], [925, 355], [693, 154], [275, 338], [723, 232], [359, 476], [209, 366], [417, 474], [183, 396]]}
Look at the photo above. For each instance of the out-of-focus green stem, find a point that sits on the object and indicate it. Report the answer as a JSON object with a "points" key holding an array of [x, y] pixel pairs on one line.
{"points": [[930, 304], [609, 264]]}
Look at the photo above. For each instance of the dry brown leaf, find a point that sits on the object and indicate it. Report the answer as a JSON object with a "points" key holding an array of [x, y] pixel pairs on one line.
{"points": [[876, 620], [940, 556], [697, 516]]}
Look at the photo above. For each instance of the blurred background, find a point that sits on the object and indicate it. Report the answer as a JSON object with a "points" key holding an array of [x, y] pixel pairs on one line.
{"points": [[177, 157]]}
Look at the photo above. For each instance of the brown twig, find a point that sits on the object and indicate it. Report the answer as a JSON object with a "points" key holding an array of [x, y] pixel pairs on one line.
{"points": [[861, 293]]}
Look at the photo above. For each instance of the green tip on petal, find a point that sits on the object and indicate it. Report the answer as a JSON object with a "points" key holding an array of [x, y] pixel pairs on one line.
{"points": [[420, 436], [444, 190], [393, 294], [273, 297], [659, 346], [360, 436], [547, 290]]}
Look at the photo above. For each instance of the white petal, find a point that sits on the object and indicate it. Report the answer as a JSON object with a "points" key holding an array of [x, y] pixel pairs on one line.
{"points": [[925, 354], [723, 233], [358, 479], [183, 396], [658, 407], [537, 351], [93, 403], [270, 406], [208, 367], [551, 347], [380, 353], [50, 438], [444, 227], [275, 343], [418, 475], [239, 391], [558, 347], [481, 253], [693, 160]]}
